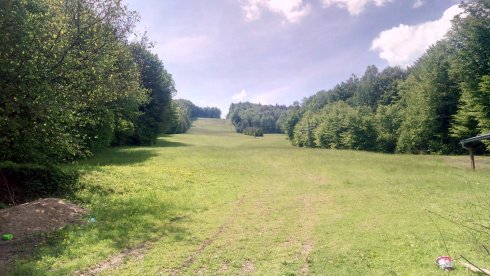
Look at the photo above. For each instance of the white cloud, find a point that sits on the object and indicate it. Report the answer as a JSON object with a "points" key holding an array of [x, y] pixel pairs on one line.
{"points": [[418, 4], [292, 10], [265, 98], [270, 96], [402, 45], [184, 49], [239, 96], [355, 7]]}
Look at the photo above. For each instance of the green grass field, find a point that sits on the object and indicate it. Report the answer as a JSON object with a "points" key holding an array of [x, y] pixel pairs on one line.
{"points": [[215, 202]]}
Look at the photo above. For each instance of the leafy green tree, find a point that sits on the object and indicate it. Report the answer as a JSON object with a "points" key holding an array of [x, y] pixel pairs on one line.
{"points": [[182, 117], [388, 81], [287, 121], [185, 111], [64, 68], [470, 37], [206, 112], [264, 117], [344, 127], [387, 123], [429, 100], [156, 114], [304, 130], [368, 91], [253, 131], [427, 108]]}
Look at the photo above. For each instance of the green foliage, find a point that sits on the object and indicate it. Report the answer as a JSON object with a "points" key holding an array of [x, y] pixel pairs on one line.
{"points": [[287, 121], [484, 90], [67, 78], [429, 100], [344, 91], [250, 115], [25, 182], [368, 92], [206, 112], [442, 98], [356, 114], [387, 121], [343, 127], [200, 112], [388, 81], [253, 131], [303, 130], [185, 111], [183, 116], [470, 37], [156, 114]]}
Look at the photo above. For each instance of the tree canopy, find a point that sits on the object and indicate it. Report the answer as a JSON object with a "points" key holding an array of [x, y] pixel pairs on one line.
{"points": [[442, 98], [67, 78], [261, 118], [73, 84]]}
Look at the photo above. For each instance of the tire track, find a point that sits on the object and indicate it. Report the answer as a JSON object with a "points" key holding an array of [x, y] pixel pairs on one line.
{"points": [[207, 242], [137, 252]]}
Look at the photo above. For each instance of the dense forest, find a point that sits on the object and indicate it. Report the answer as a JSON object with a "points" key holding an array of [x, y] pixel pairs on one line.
{"points": [[427, 108], [256, 119], [73, 83]]}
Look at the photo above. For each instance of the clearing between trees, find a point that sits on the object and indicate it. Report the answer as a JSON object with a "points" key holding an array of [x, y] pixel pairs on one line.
{"points": [[215, 202]]}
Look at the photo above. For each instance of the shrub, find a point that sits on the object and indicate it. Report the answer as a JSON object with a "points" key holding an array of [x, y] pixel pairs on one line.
{"points": [[253, 131], [344, 127], [24, 182]]}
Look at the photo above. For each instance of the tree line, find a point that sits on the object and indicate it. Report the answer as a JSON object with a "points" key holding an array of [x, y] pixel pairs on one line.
{"points": [[185, 111], [73, 83], [427, 108], [256, 119]]}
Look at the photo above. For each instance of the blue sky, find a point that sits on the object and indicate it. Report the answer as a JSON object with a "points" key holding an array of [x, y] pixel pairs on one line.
{"points": [[280, 51]]}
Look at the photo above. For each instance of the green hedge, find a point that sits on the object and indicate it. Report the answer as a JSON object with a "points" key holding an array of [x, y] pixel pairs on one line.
{"points": [[253, 131], [26, 182]]}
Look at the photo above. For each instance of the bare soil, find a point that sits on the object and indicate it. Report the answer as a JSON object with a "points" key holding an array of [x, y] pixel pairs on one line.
{"points": [[29, 221], [116, 260]]}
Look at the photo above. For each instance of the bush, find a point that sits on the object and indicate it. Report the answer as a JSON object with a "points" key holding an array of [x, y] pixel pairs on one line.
{"points": [[344, 127], [253, 131], [25, 182]]}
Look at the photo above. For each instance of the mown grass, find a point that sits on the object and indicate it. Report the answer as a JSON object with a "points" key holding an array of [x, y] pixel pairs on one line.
{"points": [[215, 202]]}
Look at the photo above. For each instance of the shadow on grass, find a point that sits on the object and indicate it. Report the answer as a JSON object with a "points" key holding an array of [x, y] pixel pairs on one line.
{"points": [[121, 221], [129, 155], [119, 225], [168, 144], [120, 156]]}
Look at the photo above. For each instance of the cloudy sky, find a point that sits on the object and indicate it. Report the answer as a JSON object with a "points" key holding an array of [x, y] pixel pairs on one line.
{"points": [[280, 51]]}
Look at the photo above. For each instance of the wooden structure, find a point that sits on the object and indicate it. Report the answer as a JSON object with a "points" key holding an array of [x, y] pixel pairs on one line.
{"points": [[464, 143]]}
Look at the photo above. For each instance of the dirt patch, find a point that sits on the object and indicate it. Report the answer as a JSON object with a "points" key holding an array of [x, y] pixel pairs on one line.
{"points": [[247, 267], [44, 215], [137, 252], [308, 220], [28, 221], [224, 268], [307, 249]]}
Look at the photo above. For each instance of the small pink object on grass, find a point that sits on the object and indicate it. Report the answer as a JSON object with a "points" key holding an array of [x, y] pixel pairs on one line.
{"points": [[445, 262]]}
